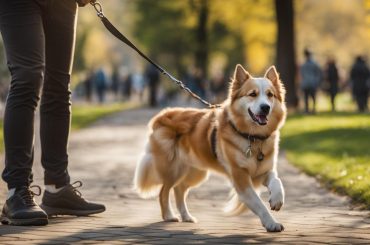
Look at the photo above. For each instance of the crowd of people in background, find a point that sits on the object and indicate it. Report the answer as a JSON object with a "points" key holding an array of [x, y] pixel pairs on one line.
{"points": [[123, 85], [312, 78], [120, 85]]}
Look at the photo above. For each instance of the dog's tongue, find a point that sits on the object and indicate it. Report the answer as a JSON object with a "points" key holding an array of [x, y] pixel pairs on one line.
{"points": [[262, 119]]}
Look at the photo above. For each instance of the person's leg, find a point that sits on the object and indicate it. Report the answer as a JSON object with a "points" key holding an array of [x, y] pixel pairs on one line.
{"points": [[55, 112], [22, 32], [364, 98], [305, 92], [100, 94], [60, 197], [313, 96], [153, 95], [332, 100], [362, 101]]}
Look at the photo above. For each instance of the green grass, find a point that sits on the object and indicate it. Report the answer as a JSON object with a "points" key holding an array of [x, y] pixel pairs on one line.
{"points": [[83, 115], [334, 147]]}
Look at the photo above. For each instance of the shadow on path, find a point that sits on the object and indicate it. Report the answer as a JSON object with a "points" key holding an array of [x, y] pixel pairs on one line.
{"points": [[151, 234]]}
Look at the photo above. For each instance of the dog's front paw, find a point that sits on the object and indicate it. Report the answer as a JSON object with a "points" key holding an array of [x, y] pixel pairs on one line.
{"points": [[274, 227], [276, 196], [276, 201]]}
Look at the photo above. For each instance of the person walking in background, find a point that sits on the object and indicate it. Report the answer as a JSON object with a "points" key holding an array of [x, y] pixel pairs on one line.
{"points": [[152, 76], [331, 81], [360, 76], [100, 82], [88, 85], [138, 84], [116, 82], [127, 87], [39, 39], [311, 76]]}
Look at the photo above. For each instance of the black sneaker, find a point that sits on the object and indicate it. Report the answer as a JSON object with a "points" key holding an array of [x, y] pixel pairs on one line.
{"points": [[69, 201], [21, 209]]}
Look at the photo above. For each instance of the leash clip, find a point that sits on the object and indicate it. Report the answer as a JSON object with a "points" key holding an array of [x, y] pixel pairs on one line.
{"points": [[98, 8]]}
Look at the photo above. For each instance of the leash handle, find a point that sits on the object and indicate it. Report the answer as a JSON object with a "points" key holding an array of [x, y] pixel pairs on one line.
{"points": [[115, 32]]}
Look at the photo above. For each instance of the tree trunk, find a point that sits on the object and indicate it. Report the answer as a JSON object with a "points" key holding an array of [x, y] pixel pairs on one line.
{"points": [[285, 54], [201, 53]]}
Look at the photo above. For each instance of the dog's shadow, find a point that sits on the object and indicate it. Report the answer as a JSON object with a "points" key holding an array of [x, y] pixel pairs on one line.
{"points": [[154, 233]]}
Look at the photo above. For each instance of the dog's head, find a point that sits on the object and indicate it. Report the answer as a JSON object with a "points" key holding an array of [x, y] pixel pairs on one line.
{"points": [[257, 104]]}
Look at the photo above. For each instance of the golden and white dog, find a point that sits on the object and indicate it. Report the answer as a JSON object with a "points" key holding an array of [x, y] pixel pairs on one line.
{"points": [[239, 140]]}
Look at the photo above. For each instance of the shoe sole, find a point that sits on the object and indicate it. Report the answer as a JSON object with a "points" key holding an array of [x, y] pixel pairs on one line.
{"points": [[24, 222], [50, 211]]}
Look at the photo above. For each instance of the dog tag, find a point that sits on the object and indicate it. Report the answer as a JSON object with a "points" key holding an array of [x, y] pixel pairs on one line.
{"points": [[260, 156]]}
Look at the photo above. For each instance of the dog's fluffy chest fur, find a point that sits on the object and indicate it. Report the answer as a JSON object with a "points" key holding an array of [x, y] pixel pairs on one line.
{"points": [[250, 162], [231, 149]]}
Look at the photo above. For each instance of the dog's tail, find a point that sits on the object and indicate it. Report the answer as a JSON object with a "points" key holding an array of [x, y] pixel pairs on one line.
{"points": [[146, 180], [234, 206]]}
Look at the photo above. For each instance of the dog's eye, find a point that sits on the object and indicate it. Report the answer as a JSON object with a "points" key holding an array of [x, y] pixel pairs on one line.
{"points": [[253, 94], [269, 94]]}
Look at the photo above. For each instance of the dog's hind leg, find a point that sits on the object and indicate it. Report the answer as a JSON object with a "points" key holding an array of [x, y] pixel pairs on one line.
{"points": [[164, 200], [181, 191], [171, 177], [193, 178]]}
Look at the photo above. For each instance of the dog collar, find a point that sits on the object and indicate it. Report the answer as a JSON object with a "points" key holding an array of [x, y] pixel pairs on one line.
{"points": [[251, 137]]}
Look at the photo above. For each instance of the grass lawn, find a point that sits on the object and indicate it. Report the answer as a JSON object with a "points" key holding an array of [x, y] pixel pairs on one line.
{"points": [[334, 147], [83, 115]]}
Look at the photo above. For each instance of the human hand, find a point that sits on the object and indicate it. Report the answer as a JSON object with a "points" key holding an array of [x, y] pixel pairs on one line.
{"points": [[83, 3]]}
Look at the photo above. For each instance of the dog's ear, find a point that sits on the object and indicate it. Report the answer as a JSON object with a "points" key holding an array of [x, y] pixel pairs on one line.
{"points": [[240, 74], [274, 77], [272, 74], [239, 78]]}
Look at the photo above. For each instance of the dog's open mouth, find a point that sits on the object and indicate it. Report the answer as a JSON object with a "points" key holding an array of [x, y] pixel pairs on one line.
{"points": [[261, 119]]}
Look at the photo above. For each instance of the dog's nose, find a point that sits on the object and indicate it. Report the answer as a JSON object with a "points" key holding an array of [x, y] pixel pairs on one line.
{"points": [[265, 108]]}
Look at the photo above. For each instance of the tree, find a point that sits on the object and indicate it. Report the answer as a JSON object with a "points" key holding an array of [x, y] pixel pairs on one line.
{"points": [[161, 27], [207, 34], [285, 53], [201, 52]]}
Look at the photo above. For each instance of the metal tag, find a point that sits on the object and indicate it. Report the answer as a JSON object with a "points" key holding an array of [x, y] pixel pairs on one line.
{"points": [[248, 152]]}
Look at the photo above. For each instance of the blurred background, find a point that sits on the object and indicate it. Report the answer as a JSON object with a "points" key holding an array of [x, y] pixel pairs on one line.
{"points": [[201, 41]]}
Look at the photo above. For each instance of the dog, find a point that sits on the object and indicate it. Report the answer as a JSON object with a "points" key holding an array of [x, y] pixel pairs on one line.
{"points": [[239, 140]]}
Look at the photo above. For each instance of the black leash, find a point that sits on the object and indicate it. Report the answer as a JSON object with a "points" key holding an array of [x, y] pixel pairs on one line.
{"points": [[115, 32]]}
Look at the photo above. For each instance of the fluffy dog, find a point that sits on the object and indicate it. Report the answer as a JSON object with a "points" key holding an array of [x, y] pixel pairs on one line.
{"points": [[239, 140]]}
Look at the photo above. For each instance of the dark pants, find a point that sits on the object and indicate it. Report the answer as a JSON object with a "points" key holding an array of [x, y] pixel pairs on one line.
{"points": [[39, 41], [309, 92], [153, 90], [333, 94], [361, 100]]}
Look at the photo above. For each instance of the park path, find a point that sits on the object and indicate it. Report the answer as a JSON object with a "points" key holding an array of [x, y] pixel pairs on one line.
{"points": [[104, 155]]}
